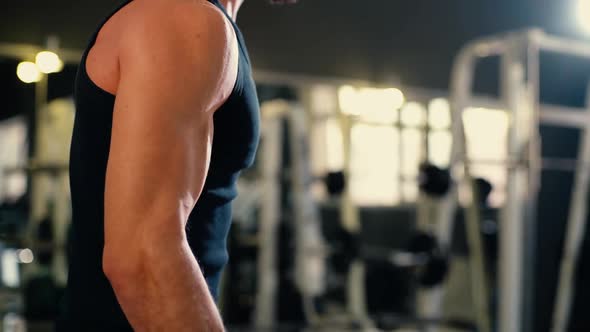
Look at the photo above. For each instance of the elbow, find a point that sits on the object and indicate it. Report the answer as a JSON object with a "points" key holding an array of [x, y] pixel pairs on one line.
{"points": [[123, 269], [117, 277], [219, 328], [129, 263], [216, 326]]}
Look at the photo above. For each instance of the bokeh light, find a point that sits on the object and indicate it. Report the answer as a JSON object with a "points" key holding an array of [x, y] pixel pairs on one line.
{"points": [[439, 114], [48, 62], [413, 115], [582, 11], [374, 104], [28, 72], [25, 255]]}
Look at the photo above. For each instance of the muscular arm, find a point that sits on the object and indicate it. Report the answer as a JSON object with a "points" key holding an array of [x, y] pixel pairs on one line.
{"points": [[173, 75]]}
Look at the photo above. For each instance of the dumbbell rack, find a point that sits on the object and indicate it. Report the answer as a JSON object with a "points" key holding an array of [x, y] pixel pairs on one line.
{"points": [[519, 53], [278, 116]]}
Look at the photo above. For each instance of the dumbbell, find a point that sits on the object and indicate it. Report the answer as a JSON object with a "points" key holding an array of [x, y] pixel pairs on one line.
{"points": [[430, 264], [422, 255], [434, 181], [335, 183]]}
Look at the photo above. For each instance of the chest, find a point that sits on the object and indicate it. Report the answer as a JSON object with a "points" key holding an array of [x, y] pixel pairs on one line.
{"points": [[101, 62]]}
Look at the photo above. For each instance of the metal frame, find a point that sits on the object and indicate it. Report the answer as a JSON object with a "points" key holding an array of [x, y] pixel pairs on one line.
{"points": [[267, 264], [310, 249], [519, 52], [575, 232], [350, 215], [430, 300]]}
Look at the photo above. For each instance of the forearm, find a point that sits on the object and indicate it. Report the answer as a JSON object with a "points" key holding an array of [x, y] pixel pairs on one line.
{"points": [[168, 293]]}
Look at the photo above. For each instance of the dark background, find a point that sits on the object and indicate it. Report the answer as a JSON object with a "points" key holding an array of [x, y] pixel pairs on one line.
{"points": [[370, 39]]}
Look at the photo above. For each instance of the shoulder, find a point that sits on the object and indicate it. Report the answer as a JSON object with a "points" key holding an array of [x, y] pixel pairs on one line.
{"points": [[165, 42], [180, 26], [188, 14]]}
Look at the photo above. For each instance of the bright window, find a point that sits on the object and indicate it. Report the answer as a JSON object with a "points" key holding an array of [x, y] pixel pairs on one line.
{"points": [[13, 154], [389, 142], [374, 165]]}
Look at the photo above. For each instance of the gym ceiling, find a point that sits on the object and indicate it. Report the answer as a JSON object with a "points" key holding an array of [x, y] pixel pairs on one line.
{"points": [[409, 41]]}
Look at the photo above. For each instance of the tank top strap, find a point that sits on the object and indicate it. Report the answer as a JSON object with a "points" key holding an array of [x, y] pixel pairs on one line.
{"points": [[104, 21], [241, 42]]}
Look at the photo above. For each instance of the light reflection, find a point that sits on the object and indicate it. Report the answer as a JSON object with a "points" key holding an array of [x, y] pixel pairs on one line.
{"points": [[48, 62], [28, 72]]}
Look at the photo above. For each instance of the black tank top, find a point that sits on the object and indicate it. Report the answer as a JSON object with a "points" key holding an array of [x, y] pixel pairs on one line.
{"points": [[89, 303]]}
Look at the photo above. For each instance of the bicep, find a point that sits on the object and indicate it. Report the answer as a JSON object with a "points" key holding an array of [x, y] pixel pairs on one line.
{"points": [[160, 145], [157, 165]]}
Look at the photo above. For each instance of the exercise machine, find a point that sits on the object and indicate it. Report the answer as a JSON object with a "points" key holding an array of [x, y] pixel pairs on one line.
{"points": [[519, 53]]}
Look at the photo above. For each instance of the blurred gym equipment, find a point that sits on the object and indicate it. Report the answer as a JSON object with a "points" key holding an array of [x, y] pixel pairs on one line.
{"points": [[433, 180], [351, 252], [338, 253], [284, 144], [45, 217], [519, 52]]}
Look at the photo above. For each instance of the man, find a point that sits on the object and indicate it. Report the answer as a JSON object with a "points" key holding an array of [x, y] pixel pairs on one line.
{"points": [[167, 117]]}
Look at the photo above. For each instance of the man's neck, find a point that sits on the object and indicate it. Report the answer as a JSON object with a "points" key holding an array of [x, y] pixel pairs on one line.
{"points": [[232, 7]]}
